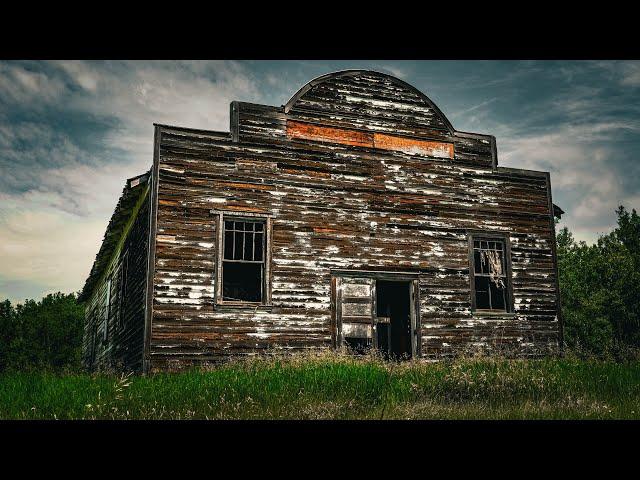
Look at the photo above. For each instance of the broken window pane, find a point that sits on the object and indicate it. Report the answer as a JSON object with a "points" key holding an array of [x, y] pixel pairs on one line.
{"points": [[258, 247], [228, 245], [248, 246], [497, 296], [482, 293], [237, 254], [476, 261], [490, 279]]}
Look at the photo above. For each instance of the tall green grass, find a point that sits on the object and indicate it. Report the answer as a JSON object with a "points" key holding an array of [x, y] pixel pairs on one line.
{"points": [[337, 387]]}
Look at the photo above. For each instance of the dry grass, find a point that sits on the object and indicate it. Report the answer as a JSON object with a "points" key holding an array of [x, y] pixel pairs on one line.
{"points": [[330, 386]]}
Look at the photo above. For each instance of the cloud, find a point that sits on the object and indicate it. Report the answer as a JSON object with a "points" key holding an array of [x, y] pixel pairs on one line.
{"points": [[583, 126], [481, 109], [394, 70], [585, 181], [21, 85], [81, 74], [190, 94], [626, 73], [71, 132], [631, 75], [47, 247]]}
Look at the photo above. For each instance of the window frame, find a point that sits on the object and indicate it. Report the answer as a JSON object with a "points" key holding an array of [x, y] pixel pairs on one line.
{"points": [[123, 273], [105, 322], [223, 216], [492, 237]]}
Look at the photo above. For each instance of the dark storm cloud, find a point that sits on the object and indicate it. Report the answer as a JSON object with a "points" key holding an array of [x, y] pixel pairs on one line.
{"points": [[72, 132]]}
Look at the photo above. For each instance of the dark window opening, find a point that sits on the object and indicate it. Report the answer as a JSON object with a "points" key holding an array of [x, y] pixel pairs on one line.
{"points": [[107, 310], [490, 277], [242, 282], [122, 288], [243, 264], [394, 314]]}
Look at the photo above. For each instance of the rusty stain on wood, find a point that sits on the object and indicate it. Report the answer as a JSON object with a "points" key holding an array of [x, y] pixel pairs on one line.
{"points": [[412, 145], [328, 134], [372, 140]]}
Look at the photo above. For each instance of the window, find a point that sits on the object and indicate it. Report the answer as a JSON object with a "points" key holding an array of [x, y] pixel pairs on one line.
{"points": [[122, 287], [244, 262], [107, 311], [490, 278]]}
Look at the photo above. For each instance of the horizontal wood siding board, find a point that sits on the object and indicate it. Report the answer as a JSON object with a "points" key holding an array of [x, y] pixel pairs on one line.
{"points": [[381, 141], [413, 146], [328, 134]]}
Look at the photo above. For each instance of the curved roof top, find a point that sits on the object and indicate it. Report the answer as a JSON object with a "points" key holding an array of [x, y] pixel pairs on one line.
{"points": [[354, 73]]}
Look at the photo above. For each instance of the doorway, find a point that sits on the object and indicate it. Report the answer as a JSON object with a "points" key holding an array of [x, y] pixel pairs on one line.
{"points": [[393, 319], [376, 310]]}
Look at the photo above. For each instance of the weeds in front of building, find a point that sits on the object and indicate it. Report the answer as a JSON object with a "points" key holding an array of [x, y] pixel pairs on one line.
{"points": [[330, 385]]}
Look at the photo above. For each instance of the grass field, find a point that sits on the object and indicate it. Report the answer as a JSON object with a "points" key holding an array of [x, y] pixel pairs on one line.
{"points": [[337, 387]]}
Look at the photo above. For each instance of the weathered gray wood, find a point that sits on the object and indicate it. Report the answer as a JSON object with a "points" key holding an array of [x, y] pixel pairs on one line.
{"points": [[335, 206], [123, 348]]}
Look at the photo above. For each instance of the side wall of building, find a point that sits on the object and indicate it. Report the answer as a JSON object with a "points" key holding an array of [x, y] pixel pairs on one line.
{"points": [[121, 309]]}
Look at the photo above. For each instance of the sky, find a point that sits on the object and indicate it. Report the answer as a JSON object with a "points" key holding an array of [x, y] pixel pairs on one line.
{"points": [[72, 132]]}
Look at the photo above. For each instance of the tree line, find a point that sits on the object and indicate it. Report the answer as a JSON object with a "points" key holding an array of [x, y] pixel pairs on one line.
{"points": [[599, 289], [41, 335]]}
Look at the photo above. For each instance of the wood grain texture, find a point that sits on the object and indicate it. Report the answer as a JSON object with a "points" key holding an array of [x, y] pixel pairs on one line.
{"points": [[413, 146], [329, 134], [381, 141], [335, 208], [124, 316], [369, 202]]}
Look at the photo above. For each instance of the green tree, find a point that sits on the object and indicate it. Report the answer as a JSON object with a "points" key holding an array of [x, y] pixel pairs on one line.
{"points": [[599, 287], [7, 332], [41, 335]]}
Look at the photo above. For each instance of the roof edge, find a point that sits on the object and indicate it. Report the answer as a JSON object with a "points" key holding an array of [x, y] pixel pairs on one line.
{"points": [[342, 73], [132, 193]]}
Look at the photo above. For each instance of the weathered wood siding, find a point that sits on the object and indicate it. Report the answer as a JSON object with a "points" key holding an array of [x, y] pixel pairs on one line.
{"points": [[123, 348], [369, 101], [339, 205]]}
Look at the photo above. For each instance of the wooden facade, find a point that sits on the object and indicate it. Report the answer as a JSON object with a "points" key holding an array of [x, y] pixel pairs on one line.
{"points": [[363, 197]]}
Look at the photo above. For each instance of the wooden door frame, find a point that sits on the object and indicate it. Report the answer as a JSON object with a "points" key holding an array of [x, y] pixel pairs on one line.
{"points": [[414, 303]]}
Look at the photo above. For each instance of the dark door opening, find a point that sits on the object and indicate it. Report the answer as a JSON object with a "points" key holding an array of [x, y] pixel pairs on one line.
{"points": [[393, 325]]}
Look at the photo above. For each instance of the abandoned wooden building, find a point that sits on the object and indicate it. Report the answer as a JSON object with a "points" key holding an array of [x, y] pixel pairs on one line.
{"points": [[355, 215]]}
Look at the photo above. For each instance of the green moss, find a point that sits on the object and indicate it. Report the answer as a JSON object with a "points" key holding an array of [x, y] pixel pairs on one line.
{"points": [[123, 237]]}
